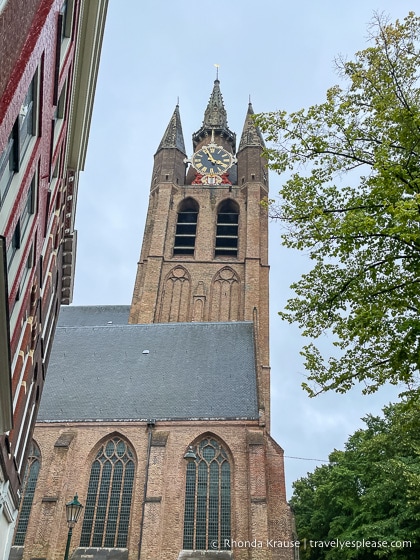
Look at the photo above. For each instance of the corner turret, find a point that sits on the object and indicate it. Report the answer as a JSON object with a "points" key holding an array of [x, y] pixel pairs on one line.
{"points": [[252, 167], [169, 163]]}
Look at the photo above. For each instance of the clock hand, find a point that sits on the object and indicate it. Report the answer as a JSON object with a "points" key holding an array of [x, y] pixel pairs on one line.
{"points": [[208, 154]]}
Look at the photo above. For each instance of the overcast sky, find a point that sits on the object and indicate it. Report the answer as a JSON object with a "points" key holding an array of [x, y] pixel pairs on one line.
{"points": [[154, 52]]}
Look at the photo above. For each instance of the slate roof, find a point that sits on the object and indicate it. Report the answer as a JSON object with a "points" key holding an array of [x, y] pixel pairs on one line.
{"points": [[251, 134], [215, 118], [215, 114], [93, 315], [173, 137], [148, 372]]}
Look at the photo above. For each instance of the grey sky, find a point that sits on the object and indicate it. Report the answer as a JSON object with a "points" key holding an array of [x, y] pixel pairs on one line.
{"points": [[279, 53]]}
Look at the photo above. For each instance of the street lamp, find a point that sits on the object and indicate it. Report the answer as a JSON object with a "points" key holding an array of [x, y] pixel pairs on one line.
{"points": [[190, 455], [73, 511]]}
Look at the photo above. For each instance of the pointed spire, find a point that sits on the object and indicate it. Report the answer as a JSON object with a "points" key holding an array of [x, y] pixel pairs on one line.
{"points": [[251, 134], [215, 114], [215, 118], [173, 137]]}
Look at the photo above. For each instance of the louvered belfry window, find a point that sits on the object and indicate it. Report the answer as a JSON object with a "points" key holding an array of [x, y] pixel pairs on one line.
{"points": [[227, 229], [108, 503], [207, 498], [186, 227], [28, 491]]}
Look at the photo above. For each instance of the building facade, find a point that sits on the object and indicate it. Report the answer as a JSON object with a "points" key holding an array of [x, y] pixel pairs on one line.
{"points": [[49, 52], [158, 417]]}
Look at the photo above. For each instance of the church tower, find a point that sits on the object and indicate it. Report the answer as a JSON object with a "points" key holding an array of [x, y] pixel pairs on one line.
{"points": [[205, 248], [159, 415]]}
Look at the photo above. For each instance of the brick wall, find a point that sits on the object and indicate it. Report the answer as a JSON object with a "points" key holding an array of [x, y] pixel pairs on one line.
{"points": [[28, 48], [257, 492]]}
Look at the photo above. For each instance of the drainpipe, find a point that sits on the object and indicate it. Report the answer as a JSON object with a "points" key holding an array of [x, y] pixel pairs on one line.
{"points": [[150, 426]]}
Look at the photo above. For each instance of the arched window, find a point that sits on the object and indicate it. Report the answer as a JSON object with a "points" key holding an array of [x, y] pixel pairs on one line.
{"points": [[28, 491], [227, 229], [186, 227], [207, 498], [108, 503]]}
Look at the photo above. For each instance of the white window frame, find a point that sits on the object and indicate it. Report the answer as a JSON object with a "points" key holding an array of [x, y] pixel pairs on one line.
{"points": [[67, 13], [15, 182]]}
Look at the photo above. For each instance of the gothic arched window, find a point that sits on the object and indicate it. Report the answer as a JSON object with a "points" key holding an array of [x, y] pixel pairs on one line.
{"points": [[186, 227], [108, 503], [207, 498], [28, 491], [227, 229]]}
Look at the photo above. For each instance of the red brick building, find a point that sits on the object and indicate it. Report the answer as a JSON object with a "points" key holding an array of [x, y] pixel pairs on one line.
{"points": [[49, 55], [159, 415]]}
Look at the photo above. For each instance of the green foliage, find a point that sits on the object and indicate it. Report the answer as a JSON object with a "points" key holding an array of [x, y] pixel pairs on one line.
{"points": [[370, 491], [352, 202]]}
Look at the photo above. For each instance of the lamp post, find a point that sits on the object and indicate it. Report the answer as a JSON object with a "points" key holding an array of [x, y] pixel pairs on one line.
{"points": [[190, 455], [73, 511]]}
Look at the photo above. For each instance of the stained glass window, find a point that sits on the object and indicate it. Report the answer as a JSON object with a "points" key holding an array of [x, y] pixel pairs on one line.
{"points": [[28, 491], [207, 498], [108, 503]]}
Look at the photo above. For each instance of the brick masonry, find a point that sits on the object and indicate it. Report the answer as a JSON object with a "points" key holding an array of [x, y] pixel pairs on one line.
{"points": [[198, 299], [259, 510], [28, 45], [177, 288]]}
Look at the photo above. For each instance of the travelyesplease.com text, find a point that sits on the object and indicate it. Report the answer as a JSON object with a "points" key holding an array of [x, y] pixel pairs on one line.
{"points": [[309, 543]]}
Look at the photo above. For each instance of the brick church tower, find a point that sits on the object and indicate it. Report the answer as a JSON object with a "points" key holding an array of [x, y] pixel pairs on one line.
{"points": [[205, 247], [157, 414]]}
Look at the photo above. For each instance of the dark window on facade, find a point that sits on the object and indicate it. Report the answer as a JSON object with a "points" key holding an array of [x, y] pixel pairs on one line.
{"points": [[29, 207], [28, 491], [64, 32], [59, 114], [60, 109], [66, 14], [22, 223], [23, 130], [54, 178], [108, 503], [14, 245], [227, 229], [186, 227], [17, 297], [63, 14], [28, 266], [26, 121], [207, 499], [9, 162]]}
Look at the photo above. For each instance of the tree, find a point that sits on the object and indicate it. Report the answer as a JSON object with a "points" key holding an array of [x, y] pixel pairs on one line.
{"points": [[369, 491], [352, 202]]}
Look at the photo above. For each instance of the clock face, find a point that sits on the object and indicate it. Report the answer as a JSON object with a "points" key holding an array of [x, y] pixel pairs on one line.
{"points": [[212, 160]]}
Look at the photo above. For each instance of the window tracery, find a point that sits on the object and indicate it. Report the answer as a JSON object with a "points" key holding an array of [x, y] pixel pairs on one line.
{"points": [[107, 511], [28, 491], [207, 513]]}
